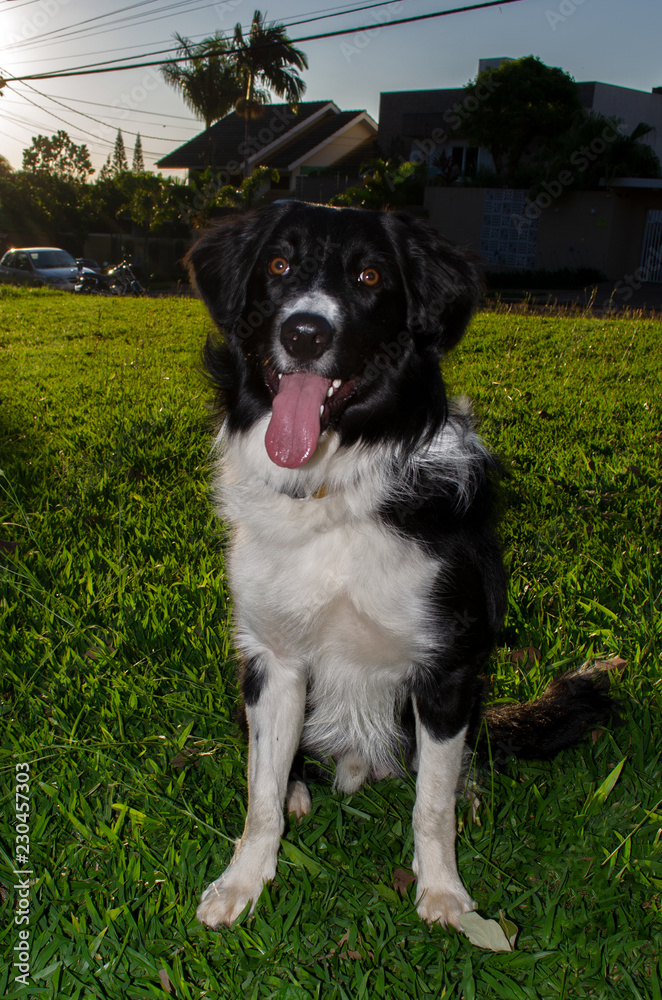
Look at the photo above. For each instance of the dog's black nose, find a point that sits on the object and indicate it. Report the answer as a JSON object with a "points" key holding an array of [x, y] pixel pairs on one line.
{"points": [[306, 336]]}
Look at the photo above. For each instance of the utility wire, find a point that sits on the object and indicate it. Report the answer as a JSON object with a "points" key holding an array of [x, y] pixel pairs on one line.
{"points": [[96, 68], [117, 107], [83, 114], [123, 112], [111, 13], [69, 31], [290, 24], [78, 128], [18, 6], [321, 15]]}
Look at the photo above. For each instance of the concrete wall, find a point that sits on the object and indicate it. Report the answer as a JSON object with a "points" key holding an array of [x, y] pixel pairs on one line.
{"points": [[599, 229], [456, 213]]}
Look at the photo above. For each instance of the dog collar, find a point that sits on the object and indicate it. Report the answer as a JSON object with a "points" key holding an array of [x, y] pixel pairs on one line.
{"points": [[319, 493]]}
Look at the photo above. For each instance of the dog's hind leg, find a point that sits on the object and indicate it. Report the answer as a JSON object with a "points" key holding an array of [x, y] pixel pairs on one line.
{"points": [[275, 704], [352, 772], [297, 800], [440, 893]]}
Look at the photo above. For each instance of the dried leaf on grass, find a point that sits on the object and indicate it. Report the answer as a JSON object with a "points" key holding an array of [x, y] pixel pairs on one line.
{"points": [[491, 935], [402, 879], [529, 653], [94, 652], [165, 981], [135, 475], [185, 757], [350, 953]]}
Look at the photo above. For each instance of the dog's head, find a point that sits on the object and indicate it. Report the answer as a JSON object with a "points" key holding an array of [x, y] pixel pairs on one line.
{"points": [[331, 317]]}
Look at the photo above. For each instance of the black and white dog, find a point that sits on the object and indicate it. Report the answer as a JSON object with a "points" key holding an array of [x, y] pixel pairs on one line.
{"points": [[368, 585]]}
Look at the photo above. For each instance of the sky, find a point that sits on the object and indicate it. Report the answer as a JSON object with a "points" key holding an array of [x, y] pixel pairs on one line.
{"points": [[611, 41]]}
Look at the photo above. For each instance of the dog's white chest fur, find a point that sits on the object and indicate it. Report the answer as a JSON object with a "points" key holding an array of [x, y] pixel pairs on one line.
{"points": [[327, 588]]}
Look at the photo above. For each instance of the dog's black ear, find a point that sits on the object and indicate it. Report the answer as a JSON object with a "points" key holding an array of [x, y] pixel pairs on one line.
{"points": [[222, 259], [443, 282]]}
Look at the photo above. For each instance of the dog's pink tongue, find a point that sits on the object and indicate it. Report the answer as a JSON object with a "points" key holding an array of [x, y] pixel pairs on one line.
{"points": [[295, 422]]}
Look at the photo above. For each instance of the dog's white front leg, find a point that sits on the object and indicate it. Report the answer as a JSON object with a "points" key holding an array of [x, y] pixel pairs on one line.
{"points": [[441, 895], [275, 721]]}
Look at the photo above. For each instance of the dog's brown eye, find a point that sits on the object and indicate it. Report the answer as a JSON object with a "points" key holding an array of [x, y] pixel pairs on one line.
{"points": [[279, 266], [370, 276]]}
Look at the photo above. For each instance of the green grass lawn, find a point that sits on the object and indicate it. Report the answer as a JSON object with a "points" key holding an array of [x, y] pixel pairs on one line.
{"points": [[118, 686]]}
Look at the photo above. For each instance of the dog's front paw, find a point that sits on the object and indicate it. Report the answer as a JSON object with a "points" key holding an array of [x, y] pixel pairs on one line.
{"points": [[444, 906], [225, 899]]}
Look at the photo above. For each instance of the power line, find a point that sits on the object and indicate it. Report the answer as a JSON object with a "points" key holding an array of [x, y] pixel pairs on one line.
{"points": [[121, 110], [93, 69], [336, 12], [95, 137], [18, 6], [82, 114], [69, 32], [117, 107]]}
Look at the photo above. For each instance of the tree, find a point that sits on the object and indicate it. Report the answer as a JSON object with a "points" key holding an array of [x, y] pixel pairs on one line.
{"points": [[266, 60], [138, 164], [150, 200], [208, 82], [249, 191], [5, 167], [58, 155], [107, 169], [119, 161], [385, 184], [42, 204], [203, 195], [510, 109], [594, 147]]}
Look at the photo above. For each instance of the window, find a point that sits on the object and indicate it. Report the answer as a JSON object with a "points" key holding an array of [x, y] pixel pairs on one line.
{"points": [[52, 258], [22, 263]]}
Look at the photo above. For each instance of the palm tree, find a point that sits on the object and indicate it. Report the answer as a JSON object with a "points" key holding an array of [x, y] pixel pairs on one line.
{"points": [[208, 82], [265, 60], [595, 146]]}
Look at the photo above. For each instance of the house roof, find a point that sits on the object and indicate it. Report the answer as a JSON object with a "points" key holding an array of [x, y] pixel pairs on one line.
{"points": [[280, 137], [317, 135]]}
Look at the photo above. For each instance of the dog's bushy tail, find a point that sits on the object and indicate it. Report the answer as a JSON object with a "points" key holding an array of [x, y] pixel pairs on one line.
{"points": [[570, 706]]}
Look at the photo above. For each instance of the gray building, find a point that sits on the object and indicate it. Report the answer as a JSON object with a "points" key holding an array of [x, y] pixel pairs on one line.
{"points": [[427, 124]]}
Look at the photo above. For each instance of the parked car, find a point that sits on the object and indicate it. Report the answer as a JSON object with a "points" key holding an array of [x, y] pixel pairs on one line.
{"points": [[39, 266]]}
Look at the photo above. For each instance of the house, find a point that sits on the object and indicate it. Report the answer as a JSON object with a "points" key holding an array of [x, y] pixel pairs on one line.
{"points": [[617, 230], [427, 124], [316, 148]]}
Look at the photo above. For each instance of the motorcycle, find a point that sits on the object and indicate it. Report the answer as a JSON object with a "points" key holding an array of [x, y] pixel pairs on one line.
{"points": [[118, 279]]}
